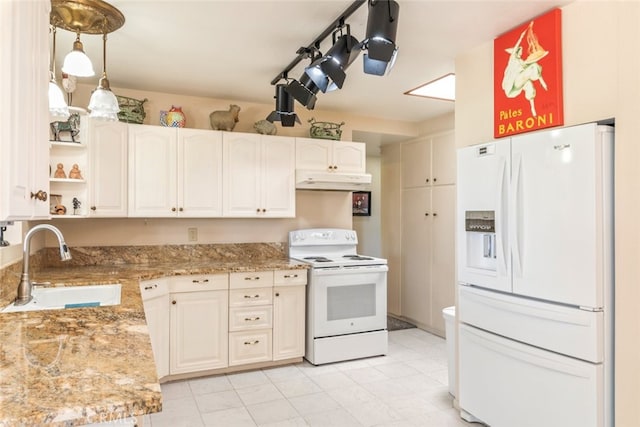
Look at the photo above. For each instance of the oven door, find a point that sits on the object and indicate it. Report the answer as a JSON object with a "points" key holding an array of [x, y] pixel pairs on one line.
{"points": [[345, 300]]}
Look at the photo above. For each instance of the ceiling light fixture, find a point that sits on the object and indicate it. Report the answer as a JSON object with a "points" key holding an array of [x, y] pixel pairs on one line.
{"points": [[103, 103], [380, 41], [284, 108], [441, 88], [58, 108], [77, 63], [328, 71]]}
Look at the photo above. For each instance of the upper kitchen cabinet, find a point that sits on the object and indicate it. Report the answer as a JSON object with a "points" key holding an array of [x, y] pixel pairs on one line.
{"points": [[429, 161], [108, 173], [174, 172], [24, 79], [330, 156], [259, 176]]}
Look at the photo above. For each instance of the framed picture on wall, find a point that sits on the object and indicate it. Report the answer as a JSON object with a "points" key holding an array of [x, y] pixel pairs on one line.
{"points": [[361, 203]]}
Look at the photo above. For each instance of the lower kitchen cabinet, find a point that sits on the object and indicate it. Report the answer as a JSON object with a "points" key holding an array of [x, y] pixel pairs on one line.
{"points": [[225, 321], [155, 296]]}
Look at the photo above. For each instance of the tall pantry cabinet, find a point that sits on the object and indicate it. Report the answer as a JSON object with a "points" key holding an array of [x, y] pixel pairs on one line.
{"points": [[428, 219]]}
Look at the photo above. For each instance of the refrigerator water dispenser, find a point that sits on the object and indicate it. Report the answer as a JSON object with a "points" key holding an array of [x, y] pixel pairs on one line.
{"points": [[481, 239]]}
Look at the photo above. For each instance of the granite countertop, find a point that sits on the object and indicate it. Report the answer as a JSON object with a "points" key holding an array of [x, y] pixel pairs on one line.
{"points": [[77, 366]]}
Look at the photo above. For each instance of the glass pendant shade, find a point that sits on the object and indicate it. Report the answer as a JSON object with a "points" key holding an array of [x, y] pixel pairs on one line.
{"points": [[58, 108], [77, 63], [103, 103]]}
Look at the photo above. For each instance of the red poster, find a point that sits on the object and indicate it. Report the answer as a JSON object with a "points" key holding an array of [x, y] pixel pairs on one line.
{"points": [[527, 77]]}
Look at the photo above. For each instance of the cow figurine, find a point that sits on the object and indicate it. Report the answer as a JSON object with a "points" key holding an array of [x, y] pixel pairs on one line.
{"points": [[225, 120], [72, 125]]}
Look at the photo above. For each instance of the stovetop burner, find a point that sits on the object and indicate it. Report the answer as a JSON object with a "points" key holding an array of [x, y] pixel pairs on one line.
{"points": [[318, 258], [358, 257]]}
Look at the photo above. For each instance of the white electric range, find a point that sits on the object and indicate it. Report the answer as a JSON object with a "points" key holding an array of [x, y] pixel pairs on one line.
{"points": [[346, 296]]}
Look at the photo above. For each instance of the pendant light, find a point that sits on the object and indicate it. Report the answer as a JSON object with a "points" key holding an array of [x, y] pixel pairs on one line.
{"points": [[77, 63], [58, 108], [103, 103]]}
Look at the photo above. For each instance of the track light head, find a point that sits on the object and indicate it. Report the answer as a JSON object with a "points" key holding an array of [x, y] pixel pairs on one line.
{"points": [[380, 42], [304, 91], [328, 72], [284, 108]]}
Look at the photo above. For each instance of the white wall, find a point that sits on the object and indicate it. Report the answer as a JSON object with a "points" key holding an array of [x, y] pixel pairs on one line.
{"points": [[601, 80], [368, 227]]}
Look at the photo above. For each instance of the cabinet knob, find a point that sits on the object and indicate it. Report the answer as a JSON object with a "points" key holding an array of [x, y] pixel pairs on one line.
{"points": [[277, 294], [251, 319], [258, 210], [435, 179], [264, 210], [173, 209], [290, 276], [154, 286], [426, 214], [39, 195], [249, 296], [252, 278], [251, 342], [181, 209], [435, 214], [426, 180], [200, 281], [93, 208], [174, 302]]}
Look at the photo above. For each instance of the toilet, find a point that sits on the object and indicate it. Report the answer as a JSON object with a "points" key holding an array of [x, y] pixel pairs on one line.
{"points": [[449, 314]]}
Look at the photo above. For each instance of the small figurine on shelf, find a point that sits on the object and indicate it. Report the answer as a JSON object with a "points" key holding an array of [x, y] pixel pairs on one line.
{"points": [[74, 173], [76, 205], [59, 173], [61, 209]]}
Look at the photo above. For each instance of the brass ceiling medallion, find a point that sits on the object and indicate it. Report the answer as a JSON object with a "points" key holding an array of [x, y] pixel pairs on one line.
{"points": [[85, 16]]}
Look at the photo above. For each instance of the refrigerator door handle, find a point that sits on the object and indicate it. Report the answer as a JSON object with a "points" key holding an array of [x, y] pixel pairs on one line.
{"points": [[516, 216], [500, 220]]}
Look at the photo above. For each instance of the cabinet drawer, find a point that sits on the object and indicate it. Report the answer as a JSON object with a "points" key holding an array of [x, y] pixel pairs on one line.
{"points": [[250, 297], [243, 318], [251, 279], [249, 347], [290, 277], [208, 282], [150, 289]]}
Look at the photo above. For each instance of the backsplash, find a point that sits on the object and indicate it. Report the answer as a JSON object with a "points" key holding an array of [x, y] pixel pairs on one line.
{"points": [[122, 255]]}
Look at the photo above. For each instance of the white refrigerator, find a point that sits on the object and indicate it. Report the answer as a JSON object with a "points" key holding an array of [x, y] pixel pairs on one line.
{"points": [[535, 273]]}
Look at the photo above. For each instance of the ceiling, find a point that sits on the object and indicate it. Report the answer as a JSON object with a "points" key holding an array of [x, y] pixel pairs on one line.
{"points": [[232, 49]]}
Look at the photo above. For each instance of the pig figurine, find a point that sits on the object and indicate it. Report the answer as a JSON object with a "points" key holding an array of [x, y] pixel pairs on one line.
{"points": [[265, 127], [225, 120]]}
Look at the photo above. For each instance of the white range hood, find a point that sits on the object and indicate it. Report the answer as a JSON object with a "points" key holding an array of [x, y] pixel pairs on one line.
{"points": [[336, 181]]}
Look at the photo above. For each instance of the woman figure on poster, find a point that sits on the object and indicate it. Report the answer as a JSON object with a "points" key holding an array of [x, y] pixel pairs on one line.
{"points": [[519, 74]]}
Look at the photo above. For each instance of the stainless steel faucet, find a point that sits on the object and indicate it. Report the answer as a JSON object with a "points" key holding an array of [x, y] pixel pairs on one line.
{"points": [[24, 288]]}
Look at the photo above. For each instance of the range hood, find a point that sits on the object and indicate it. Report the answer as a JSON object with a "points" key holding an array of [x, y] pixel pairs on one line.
{"points": [[336, 181]]}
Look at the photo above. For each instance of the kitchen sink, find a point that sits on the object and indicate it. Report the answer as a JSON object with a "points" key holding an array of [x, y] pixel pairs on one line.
{"points": [[61, 297]]}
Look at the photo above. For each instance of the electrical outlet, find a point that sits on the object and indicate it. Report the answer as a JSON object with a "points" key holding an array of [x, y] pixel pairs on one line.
{"points": [[192, 234]]}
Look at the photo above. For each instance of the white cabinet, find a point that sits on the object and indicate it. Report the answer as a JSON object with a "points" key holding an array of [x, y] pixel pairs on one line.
{"points": [[174, 172], [24, 77], [108, 172], [428, 230], [330, 156], [429, 161], [155, 296], [199, 323], [288, 321], [259, 176], [68, 189]]}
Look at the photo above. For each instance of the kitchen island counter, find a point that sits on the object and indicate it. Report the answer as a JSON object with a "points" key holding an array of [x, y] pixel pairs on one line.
{"points": [[83, 365]]}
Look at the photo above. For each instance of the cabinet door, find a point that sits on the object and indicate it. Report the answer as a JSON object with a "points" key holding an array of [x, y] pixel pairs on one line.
{"points": [[152, 171], [278, 187], [199, 173], [416, 163], [443, 159], [416, 254], [107, 143], [443, 280], [155, 296], [349, 156], [241, 182], [199, 331], [313, 154], [24, 76], [288, 322]]}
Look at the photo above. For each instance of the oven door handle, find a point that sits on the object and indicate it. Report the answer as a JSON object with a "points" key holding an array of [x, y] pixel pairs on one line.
{"points": [[363, 269]]}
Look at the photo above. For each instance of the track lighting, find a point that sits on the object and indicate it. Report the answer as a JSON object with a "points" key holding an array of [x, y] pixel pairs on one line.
{"points": [[328, 72], [304, 91], [284, 108], [382, 25]]}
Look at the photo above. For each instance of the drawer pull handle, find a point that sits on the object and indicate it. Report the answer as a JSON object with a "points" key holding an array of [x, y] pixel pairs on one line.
{"points": [[252, 278], [148, 288], [252, 342], [251, 319], [290, 276], [254, 296], [200, 281]]}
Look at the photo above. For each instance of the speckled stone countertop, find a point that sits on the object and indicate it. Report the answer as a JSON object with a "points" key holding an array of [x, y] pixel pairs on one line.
{"points": [[77, 366]]}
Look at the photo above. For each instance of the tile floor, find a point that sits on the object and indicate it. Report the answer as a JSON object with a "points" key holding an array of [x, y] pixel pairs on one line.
{"points": [[408, 387]]}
